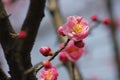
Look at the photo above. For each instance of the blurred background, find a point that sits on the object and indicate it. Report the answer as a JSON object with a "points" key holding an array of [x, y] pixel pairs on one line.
{"points": [[98, 62]]}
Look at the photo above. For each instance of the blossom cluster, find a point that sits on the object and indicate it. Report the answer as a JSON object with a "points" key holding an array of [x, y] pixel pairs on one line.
{"points": [[76, 29], [49, 72]]}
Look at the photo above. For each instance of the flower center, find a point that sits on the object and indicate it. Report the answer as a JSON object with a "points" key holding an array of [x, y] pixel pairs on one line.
{"points": [[48, 75], [73, 50], [77, 28]]}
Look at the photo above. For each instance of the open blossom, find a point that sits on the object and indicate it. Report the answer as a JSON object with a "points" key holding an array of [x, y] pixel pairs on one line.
{"points": [[49, 74], [76, 28], [72, 52]]}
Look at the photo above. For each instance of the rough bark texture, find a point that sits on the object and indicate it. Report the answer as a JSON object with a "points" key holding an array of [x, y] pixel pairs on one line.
{"points": [[17, 51]]}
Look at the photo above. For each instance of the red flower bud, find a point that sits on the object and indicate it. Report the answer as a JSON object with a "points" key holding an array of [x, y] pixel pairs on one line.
{"points": [[62, 57], [79, 44], [106, 21], [46, 64], [46, 51], [94, 17], [60, 31], [22, 35]]}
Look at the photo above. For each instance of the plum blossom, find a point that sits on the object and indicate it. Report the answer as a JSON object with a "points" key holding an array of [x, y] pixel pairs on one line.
{"points": [[76, 28], [72, 52], [49, 74]]}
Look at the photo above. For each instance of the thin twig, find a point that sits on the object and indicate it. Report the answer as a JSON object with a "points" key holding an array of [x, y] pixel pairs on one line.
{"points": [[58, 20], [57, 52], [38, 66]]}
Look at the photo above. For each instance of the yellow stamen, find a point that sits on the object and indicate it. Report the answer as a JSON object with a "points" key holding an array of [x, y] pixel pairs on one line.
{"points": [[77, 28], [48, 75], [73, 50]]}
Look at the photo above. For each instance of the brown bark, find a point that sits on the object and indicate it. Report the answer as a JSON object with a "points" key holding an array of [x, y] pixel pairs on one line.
{"points": [[17, 51], [31, 25]]}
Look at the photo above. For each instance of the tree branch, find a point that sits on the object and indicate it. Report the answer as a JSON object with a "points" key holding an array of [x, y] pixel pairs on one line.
{"points": [[39, 66], [56, 16], [31, 25], [114, 38], [5, 28], [17, 52], [8, 45]]}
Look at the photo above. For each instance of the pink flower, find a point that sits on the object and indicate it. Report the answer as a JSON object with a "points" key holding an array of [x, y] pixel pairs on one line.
{"points": [[49, 74], [76, 28], [72, 52]]}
